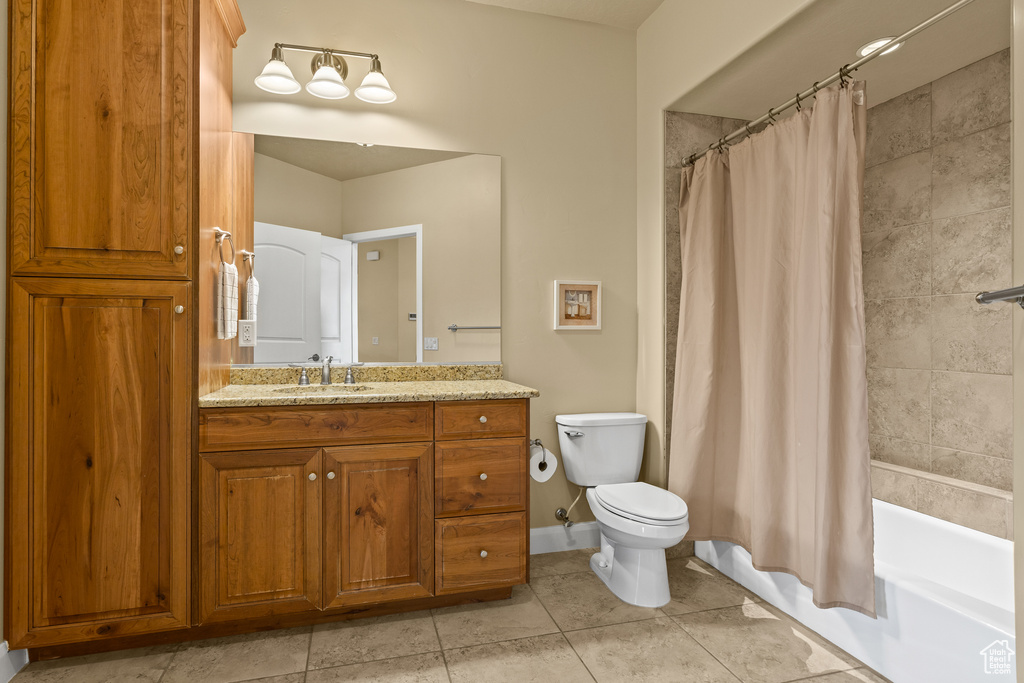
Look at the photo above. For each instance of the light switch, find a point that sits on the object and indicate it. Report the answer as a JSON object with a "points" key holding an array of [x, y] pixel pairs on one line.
{"points": [[247, 333], [376, 340], [430, 343]]}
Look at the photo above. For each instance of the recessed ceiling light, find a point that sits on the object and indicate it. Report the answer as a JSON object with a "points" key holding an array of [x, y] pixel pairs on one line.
{"points": [[874, 45]]}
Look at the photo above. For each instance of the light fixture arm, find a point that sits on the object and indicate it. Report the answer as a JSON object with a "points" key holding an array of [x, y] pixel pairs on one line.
{"points": [[320, 50]]}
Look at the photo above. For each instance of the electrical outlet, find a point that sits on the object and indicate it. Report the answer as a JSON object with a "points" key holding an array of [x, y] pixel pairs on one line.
{"points": [[247, 333], [376, 340], [430, 343]]}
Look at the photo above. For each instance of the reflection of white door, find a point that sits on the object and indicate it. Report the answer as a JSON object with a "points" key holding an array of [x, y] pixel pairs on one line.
{"points": [[336, 261], [288, 313]]}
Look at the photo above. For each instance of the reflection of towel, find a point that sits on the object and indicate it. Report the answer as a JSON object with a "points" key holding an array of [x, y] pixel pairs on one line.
{"points": [[252, 293], [227, 301]]}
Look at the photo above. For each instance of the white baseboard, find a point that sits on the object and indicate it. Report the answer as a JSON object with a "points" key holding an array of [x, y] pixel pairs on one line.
{"points": [[11, 662], [554, 539]]}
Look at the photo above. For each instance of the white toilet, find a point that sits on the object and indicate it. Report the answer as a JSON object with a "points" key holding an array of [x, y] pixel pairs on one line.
{"points": [[603, 451]]}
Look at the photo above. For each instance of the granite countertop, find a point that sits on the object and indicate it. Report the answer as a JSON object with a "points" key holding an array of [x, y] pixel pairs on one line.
{"points": [[236, 395]]}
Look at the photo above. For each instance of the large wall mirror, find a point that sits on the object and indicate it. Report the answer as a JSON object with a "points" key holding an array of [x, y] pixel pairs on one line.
{"points": [[372, 254]]}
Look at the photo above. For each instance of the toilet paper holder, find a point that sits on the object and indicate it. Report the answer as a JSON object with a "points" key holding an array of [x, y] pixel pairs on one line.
{"points": [[543, 465]]}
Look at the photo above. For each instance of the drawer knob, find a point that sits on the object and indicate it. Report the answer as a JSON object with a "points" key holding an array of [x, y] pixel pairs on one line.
{"points": [[179, 250], [483, 419], [312, 476], [483, 553], [179, 309], [483, 477], [330, 475]]}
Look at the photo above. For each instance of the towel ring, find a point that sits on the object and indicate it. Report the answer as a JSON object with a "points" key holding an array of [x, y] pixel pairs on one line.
{"points": [[220, 235], [250, 258]]}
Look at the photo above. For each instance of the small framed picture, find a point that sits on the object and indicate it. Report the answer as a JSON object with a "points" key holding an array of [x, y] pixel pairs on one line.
{"points": [[577, 305]]}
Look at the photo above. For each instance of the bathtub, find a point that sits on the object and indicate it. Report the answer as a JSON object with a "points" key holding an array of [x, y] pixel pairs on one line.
{"points": [[944, 596]]}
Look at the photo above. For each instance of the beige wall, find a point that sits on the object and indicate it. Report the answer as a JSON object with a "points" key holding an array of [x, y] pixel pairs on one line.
{"points": [[458, 203], [555, 99], [406, 298], [378, 302], [296, 198]]}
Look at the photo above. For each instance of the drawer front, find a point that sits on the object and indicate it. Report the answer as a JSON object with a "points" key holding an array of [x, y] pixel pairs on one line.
{"points": [[480, 419], [480, 552], [223, 429], [482, 475]]}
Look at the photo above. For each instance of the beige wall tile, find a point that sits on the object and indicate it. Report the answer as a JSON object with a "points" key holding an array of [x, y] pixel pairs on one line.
{"points": [[899, 333], [687, 133], [898, 192], [972, 253], [972, 173], [972, 412], [960, 506], [898, 403], [972, 99], [973, 467], [970, 337], [894, 487], [900, 126], [900, 452], [1009, 519], [897, 263]]}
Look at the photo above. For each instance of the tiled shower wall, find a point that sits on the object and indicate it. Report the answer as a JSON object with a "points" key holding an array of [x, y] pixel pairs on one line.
{"points": [[936, 231]]}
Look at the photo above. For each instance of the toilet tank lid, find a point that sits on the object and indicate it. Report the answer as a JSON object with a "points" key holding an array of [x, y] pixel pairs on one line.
{"points": [[600, 419]]}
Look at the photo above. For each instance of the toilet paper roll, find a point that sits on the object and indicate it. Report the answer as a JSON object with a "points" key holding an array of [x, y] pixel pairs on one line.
{"points": [[542, 463]]}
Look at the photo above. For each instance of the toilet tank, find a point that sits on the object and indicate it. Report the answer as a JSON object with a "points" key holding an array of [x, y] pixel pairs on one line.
{"points": [[601, 448]]}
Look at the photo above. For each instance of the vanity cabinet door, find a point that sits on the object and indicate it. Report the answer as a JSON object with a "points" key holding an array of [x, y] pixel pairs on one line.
{"points": [[378, 523], [98, 475], [259, 533]]}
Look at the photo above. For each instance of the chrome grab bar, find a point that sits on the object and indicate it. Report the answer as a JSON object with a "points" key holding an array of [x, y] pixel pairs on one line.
{"points": [[1011, 294]]}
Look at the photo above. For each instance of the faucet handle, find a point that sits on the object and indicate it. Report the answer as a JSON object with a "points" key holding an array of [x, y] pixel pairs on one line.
{"points": [[327, 361]]}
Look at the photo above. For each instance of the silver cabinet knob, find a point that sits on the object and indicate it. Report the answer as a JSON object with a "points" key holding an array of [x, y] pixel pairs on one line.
{"points": [[179, 249], [179, 309], [483, 477], [330, 475], [312, 476], [483, 418], [483, 553]]}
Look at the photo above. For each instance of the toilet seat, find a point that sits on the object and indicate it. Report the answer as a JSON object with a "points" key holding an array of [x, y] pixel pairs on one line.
{"points": [[642, 502]]}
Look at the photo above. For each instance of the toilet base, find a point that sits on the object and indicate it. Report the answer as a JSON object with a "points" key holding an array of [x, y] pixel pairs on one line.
{"points": [[636, 576]]}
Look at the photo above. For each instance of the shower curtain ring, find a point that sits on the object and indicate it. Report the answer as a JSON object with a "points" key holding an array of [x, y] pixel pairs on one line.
{"points": [[798, 107], [844, 73], [746, 127], [771, 116]]}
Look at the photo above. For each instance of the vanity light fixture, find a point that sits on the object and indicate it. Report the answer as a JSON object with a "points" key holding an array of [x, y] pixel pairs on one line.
{"points": [[868, 48], [329, 72]]}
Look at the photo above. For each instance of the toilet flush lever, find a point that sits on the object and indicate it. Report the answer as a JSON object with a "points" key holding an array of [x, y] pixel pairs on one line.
{"points": [[573, 435]]}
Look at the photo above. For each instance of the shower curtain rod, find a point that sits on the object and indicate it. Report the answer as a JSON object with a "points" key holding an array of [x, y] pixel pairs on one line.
{"points": [[842, 74]]}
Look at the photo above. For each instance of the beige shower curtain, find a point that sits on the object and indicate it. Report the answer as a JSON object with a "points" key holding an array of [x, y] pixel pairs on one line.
{"points": [[769, 426]]}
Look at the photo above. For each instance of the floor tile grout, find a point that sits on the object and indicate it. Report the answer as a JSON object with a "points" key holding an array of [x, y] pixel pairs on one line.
{"points": [[437, 632]]}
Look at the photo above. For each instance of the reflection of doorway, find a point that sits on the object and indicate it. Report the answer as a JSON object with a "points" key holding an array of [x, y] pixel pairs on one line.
{"points": [[369, 308]]}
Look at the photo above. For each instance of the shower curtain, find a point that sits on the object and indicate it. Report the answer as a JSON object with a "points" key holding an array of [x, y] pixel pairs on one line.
{"points": [[769, 441]]}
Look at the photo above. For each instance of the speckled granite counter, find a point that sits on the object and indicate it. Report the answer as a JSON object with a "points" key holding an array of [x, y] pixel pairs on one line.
{"points": [[236, 395]]}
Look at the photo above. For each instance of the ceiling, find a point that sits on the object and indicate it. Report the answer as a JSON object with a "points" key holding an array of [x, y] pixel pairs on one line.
{"points": [[826, 35], [346, 160], [627, 14]]}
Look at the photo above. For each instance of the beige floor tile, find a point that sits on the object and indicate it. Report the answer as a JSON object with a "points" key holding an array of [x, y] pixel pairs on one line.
{"points": [[139, 666], [364, 640], [761, 645], [521, 616], [539, 659], [583, 601], [423, 668], [852, 676], [568, 562], [652, 650], [287, 678], [696, 586], [241, 658]]}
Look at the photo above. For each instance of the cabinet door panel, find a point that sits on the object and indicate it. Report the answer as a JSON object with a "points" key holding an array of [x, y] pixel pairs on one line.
{"points": [[260, 533], [101, 119], [378, 518], [99, 448]]}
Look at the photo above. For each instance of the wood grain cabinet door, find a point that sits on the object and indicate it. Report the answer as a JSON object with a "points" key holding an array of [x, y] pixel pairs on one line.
{"points": [[378, 523], [99, 434], [102, 137], [259, 533]]}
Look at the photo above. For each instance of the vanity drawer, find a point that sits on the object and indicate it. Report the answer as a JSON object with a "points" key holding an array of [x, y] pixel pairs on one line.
{"points": [[480, 419], [480, 552], [482, 475], [225, 429]]}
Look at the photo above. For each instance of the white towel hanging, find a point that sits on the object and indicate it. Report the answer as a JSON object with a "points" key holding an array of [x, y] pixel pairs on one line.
{"points": [[227, 301]]}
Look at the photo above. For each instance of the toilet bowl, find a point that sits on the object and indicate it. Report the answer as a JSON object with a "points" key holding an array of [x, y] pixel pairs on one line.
{"points": [[638, 521]]}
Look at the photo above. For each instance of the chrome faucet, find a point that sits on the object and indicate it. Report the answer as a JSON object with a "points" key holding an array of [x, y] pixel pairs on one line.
{"points": [[349, 379], [325, 373]]}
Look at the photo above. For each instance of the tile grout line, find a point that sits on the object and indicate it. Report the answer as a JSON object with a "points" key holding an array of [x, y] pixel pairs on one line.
{"points": [[931, 141], [701, 645], [309, 654], [440, 645]]}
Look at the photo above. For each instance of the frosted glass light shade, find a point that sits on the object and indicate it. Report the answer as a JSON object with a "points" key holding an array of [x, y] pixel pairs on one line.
{"points": [[375, 89], [328, 84], [278, 79]]}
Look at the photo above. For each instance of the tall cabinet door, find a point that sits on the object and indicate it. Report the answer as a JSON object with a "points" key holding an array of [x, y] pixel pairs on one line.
{"points": [[259, 533], [101, 159], [99, 433], [378, 523]]}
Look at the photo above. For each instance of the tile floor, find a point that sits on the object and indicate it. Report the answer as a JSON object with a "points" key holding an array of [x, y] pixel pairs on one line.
{"points": [[564, 626]]}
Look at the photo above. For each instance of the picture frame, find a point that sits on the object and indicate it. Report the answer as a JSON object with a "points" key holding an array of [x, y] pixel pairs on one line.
{"points": [[577, 305]]}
